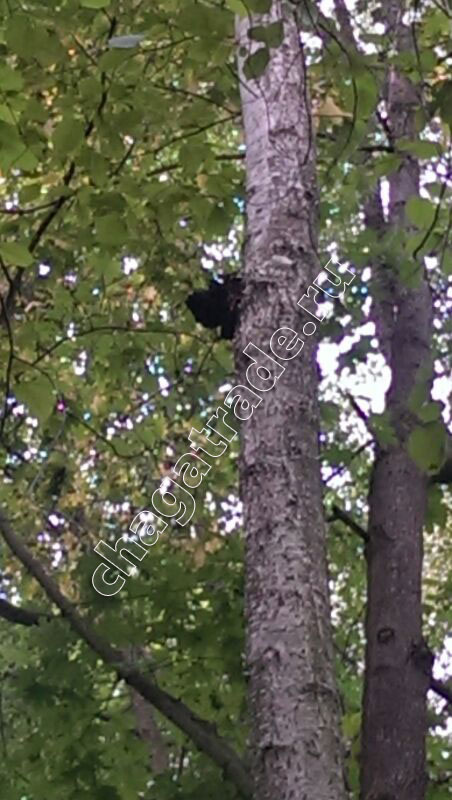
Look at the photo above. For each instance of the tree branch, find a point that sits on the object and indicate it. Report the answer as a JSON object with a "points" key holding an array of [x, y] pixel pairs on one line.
{"points": [[21, 616], [340, 514], [344, 20], [202, 734], [442, 689], [9, 364]]}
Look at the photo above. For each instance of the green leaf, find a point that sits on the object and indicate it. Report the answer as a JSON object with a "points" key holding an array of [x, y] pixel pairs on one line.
{"points": [[27, 161], [192, 156], [10, 79], [434, 25], [443, 101], [38, 395], [351, 724], [446, 263], [15, 254], [368, 93], [430, 412], [105, 266], [256, 64], [384, 431], [204, 21], [238, 7], [223, 355], [113, 58], [8, 135], [67, 136], [110, 229], [90, 88], [426, 446], [420, 211], [219, 222], [19, 36], [419, 148], [96, 165], [329, 413], [387, 165], [259, 6], [420, 392], [410, 272], [272, 35], [95, 3], [6, 114], [107, 792], [436, 509]]}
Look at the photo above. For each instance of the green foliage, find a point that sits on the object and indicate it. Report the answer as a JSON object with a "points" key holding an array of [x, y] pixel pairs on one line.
{"points": [[16, 254], [122, 180], [256, 64], [420, 211], [272, 35], [426, 446], [258, 6]]}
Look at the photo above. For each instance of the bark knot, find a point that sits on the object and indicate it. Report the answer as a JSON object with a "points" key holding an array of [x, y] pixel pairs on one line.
{"points": [[385, 635]]}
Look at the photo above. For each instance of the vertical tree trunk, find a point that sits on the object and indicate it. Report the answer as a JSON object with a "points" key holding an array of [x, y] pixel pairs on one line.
{"points": [[293, 697], [398, 662]]}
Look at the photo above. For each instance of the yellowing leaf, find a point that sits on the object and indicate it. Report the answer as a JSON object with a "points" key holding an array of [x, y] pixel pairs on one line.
{"points": [[149, 294], [329, 108], [199, 556], [201, 180], [213, 545]]}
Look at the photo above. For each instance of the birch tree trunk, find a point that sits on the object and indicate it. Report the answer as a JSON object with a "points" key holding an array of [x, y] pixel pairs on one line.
{"points": [[293, 696]]}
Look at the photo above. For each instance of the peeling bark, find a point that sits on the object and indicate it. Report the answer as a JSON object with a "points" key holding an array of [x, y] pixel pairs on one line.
{"points": [[293, 697]]}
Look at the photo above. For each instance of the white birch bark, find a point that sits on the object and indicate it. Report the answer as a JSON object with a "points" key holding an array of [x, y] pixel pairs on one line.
{"points": [[293, 696]]}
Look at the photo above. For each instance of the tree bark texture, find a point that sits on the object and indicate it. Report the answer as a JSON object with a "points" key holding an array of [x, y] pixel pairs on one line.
{"points": [[294, 704], [398, 662]]}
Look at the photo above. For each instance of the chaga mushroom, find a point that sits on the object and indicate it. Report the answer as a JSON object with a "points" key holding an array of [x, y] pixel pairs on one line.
{"points": [[218, 305]]}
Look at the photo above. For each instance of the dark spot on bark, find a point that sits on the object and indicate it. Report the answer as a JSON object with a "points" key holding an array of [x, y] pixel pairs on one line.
{"points": [[384, 636]]}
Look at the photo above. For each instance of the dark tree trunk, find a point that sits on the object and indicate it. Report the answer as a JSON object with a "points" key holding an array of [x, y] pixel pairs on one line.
{"points": [[398, 663]]}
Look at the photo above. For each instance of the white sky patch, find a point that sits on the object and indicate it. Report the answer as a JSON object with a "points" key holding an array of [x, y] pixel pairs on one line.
{"points": [[80, 364], [129, 265]]}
